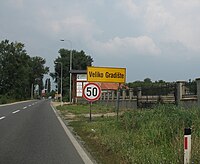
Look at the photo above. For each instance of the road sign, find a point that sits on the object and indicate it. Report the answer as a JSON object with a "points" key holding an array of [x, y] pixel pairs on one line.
{"points": [[106, 74], [91, 92]]}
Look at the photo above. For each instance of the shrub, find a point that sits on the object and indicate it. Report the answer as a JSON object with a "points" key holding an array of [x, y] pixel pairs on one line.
{"points": [[3, 99]]}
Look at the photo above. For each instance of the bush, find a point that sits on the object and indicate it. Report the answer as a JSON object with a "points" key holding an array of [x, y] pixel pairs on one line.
{"points": [[3, 99], [65, 99]]}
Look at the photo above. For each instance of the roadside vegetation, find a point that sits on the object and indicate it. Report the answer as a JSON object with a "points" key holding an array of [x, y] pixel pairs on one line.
{"points": [[5, 100], [83, 109], [19, 72], [22, 76], [139, 136]]}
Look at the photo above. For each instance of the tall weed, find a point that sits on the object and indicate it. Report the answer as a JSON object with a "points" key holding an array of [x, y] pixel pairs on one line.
{"points": [[149, 136]]}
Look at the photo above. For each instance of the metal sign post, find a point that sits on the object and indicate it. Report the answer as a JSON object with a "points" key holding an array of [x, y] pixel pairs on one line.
{"points": [[90, 111], [118, 99], [91, 92], [107, 75]]}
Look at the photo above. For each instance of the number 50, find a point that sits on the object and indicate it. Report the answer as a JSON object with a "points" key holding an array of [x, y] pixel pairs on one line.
{"points": [[91, 91]]}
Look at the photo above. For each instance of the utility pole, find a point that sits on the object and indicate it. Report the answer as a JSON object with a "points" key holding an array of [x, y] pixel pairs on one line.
{"points": [[61, 72], [70, 69]]}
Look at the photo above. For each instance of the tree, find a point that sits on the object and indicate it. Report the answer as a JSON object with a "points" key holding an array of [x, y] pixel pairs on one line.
{"points": [[18, 71], [148, 87], [14, 71], [147, 80], [37, 71], [80, 62], [48, 85]]}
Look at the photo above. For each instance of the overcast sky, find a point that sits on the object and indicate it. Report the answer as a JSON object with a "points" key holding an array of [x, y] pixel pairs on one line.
{"points": [[157, 39]]}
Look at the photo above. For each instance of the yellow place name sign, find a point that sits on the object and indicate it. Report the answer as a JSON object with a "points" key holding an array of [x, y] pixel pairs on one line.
{"points": [[106, 74]]}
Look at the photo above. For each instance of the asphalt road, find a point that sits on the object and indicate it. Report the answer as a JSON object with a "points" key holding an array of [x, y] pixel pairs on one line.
{"points": [[30, 133]]}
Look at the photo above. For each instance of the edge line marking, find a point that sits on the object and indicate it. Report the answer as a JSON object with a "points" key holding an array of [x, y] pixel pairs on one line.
{"points": [[77, 146]]}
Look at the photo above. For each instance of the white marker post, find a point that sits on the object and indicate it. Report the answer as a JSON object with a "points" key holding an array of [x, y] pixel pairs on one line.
{"points": [[187, 145]]}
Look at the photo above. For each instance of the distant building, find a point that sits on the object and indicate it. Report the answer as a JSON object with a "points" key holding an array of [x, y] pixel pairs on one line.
{"points": [[109, 86]]}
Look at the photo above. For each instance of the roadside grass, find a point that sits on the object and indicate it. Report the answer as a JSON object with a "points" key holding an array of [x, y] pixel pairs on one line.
{"points": [[140, 136], [85, 109], [5, 99]]}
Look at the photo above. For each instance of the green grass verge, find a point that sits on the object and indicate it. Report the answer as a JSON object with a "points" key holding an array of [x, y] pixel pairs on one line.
{"points": [[85, 109], [141, 136], [5, 100]]}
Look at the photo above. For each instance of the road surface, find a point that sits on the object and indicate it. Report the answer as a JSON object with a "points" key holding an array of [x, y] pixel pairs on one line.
{"points": [[30, 133]]}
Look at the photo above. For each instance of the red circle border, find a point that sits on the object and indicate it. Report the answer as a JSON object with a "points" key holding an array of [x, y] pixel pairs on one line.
{"points": [[95, 99]]}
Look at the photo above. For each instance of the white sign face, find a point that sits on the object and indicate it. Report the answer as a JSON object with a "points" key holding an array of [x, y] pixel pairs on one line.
{"points": [[81, 77], [79, 94], [91, 92], [79, 89], [84, 83]]}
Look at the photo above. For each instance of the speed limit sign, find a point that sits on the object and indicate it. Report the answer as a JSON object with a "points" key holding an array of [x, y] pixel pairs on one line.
{"points": [[91, 92]]}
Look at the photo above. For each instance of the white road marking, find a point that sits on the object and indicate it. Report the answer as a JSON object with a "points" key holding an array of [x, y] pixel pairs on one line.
{"points": [[33, 104], [16, 111], [25, 107], [1, 118], [29, 105]]}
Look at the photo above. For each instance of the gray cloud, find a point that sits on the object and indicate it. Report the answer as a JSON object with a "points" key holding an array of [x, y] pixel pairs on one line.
{"points": [[158, 37]]}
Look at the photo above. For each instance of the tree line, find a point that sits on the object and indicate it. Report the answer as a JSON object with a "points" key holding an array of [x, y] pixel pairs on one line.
{"points": [[160, 87], [19, 73]]}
